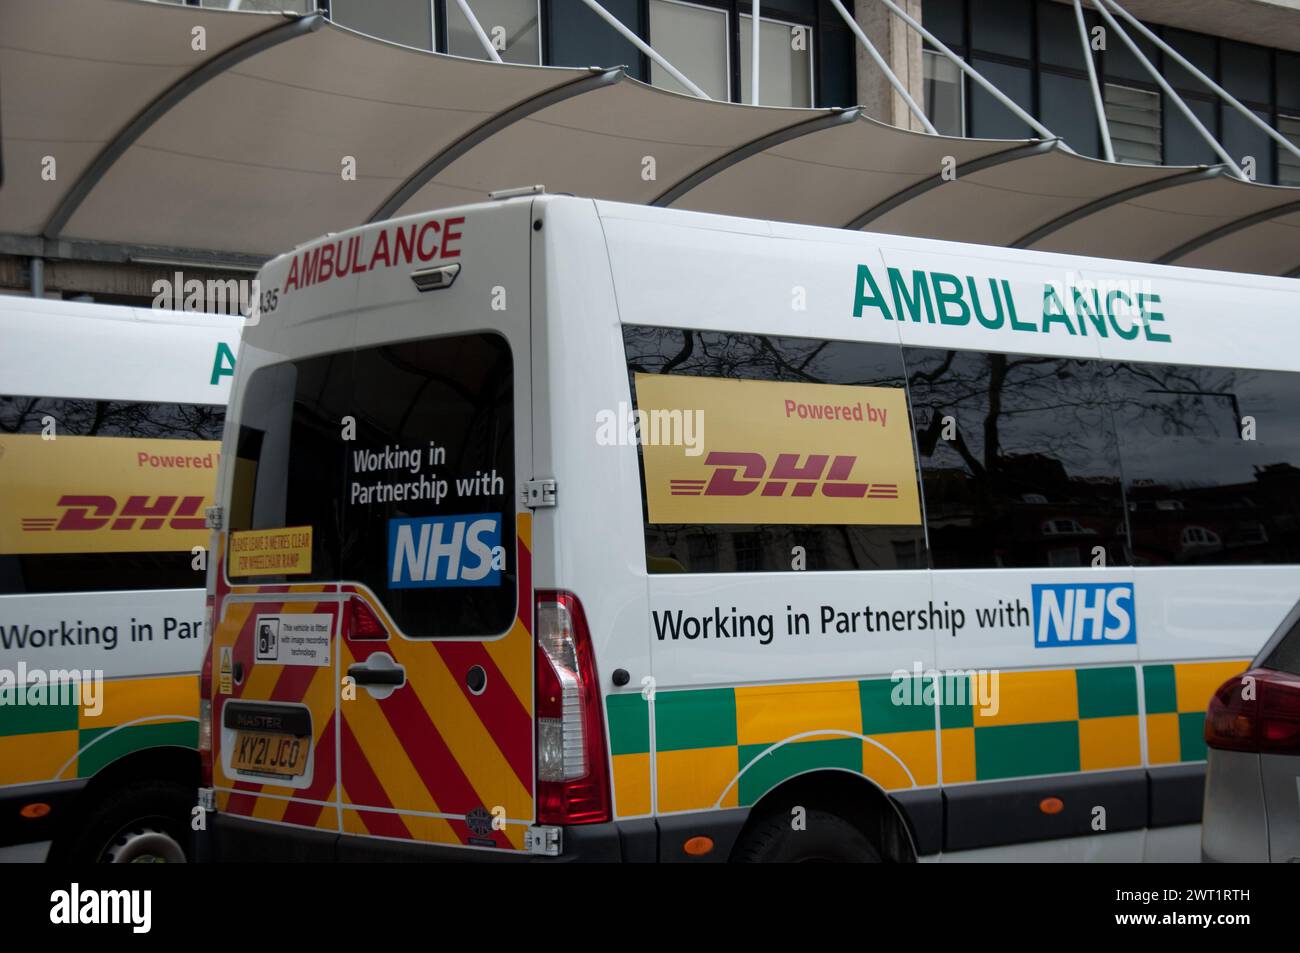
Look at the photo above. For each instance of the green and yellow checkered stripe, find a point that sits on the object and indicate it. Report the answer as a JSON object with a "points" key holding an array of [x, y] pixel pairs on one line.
{"points": [[1052, 721], [63, 742], [1176, 699]]}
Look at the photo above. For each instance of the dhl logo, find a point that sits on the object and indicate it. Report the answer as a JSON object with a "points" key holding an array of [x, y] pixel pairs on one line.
{"points": [[740, 473], [97, 512]]}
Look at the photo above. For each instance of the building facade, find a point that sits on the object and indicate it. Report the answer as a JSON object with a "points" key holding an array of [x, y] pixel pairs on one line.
{"points": [[809, 56]]}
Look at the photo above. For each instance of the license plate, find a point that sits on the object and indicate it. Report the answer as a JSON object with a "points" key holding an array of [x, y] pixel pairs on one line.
{"points": [[261, 752]]}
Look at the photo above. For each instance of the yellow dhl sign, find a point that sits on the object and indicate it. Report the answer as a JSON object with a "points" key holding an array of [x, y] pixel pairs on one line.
{"points": [[103, 494], [766, 452]]}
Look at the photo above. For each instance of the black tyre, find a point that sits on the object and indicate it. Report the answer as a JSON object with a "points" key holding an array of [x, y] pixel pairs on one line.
{"points": [[826, 838], [142, 822]]}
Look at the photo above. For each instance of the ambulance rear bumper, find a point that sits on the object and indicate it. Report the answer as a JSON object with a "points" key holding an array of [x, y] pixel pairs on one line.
{"points": [[237, 839]]}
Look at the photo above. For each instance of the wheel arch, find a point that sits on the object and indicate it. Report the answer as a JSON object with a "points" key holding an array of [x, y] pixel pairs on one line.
{"points": [[849, 794]]}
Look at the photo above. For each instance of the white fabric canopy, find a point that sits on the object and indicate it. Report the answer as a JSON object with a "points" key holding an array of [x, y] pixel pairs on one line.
{"points": [[236, 152]]}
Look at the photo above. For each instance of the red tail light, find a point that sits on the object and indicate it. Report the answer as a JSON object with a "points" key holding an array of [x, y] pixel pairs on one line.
{"points": [[205, 701], [572, 766], [1256, 711], [362, 624]]}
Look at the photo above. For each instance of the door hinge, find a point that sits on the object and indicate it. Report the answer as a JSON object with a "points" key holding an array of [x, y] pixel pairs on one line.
{"points": [[212, 517], [546, 841], [538, 493]]}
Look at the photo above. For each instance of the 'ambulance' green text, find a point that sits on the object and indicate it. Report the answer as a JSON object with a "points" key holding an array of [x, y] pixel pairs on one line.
{"points": [[936, 297]]}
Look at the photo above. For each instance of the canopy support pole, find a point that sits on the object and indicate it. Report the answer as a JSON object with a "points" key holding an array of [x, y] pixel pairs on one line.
{"points": [[753, 54], [879, 60], [972, 73], [474, 25], [38, 277], [1097, 102], [1168, 90], [1223, 94], [644, 47]]}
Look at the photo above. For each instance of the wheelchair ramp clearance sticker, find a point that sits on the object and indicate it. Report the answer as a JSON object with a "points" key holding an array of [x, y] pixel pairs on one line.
{"points": [[298, 638], [270, 552], [776, 453]]}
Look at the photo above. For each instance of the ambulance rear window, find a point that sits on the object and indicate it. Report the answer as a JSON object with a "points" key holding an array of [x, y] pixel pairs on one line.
{"points": [[400, 459]]}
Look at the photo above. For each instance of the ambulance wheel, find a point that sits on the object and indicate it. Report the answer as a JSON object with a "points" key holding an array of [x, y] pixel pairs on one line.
{"points": [[827, 838], [146, 822]]}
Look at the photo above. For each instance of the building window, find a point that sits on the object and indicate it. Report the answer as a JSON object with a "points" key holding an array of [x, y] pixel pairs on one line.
{"points": [[1133, 116], [1288, 164], [409, 22], [785, 62], [694, 40], [512, 26], [944, 94]]}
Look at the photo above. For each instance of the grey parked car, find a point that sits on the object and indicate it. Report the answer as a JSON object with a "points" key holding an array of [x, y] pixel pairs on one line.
{"points": [[1252, 781]]}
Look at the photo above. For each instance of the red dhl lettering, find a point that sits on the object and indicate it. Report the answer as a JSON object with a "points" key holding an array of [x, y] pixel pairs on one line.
{"points": [[395, 245], [740, 473], [92, 512]]}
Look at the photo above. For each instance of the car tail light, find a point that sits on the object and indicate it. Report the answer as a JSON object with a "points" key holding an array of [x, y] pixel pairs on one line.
{"points": [[572, 767], [205, 701], [362, 623], [1258, 711]]}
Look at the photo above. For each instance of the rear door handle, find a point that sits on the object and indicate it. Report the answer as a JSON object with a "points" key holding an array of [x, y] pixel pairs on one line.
{"points": [[396, 677], [380, 675]]}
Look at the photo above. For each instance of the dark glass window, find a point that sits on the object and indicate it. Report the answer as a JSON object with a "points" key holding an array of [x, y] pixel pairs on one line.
{"points": [[1118, 61], [1018, 459], [1243, 138], [1288, 82], [1200, 49], [1065, 107], [1058, 36], [988, 118], [1211, 463], [1283, 650], [81, 417], [110, 570], [945, 19], [1002, 26], [1244, 71], [769, 547], [1183, 144], [417, 503]]}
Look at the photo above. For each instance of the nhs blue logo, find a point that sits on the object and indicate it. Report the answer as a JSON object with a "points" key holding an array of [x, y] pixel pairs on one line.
{"points": [[1084, 613], [461, 550]]}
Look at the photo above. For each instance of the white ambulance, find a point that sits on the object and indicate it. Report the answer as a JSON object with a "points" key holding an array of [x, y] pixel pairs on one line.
{"points": [[552, 527], [110, 421]]}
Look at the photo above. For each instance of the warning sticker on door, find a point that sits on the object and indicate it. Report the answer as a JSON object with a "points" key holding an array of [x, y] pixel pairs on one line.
{"points": [[224, 686], [294, 638]]}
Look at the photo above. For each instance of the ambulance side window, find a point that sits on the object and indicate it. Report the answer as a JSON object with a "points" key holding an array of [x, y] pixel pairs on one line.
{"points": [[1211, 463], [1019, 459], [42, 561], [794, 475]]}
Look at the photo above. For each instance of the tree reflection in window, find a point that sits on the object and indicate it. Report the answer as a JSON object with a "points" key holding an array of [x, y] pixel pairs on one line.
{"points": [[1018, 459]]}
